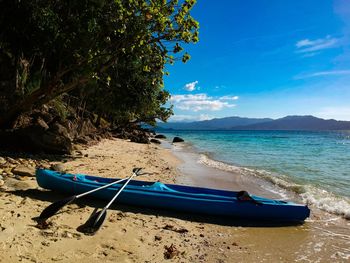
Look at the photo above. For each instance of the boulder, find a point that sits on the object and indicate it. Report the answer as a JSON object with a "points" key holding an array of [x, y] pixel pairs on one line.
{"points": [[22, 170], [82, 140], [139, 139], [178, 139], [44, 165], [7, 171], [35, 139], [86, 127], [45, 113], [160, 136], [155, 141], [58, 167], [21, 178], [41, 123], [2, 161], [59, 129], [11, 160], [53, 143], [139, 136]]}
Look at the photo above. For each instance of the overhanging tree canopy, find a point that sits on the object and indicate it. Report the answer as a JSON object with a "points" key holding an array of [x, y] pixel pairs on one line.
{"points": [[116, 48]]}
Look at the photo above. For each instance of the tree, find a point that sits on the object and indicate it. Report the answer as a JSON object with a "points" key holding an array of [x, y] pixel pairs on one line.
{"points": [[48, 48]]}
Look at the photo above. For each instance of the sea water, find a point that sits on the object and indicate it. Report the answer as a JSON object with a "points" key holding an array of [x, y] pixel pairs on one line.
{"points": [[315, 165]]}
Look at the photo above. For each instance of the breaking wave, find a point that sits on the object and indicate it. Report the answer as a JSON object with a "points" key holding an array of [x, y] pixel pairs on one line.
{"points": [[310, 195]]}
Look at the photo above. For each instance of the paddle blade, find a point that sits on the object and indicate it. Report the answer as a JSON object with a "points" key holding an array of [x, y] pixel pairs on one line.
{"points": [[93, 224], [55, 207], [136, 170]]}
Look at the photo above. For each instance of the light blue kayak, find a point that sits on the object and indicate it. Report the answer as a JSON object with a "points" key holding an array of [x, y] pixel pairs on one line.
{"points": [[238, 205]]}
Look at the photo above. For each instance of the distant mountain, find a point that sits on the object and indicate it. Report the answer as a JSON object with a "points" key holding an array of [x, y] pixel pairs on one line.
{"points": [[214, 124], [237, 123], [310, 123]]}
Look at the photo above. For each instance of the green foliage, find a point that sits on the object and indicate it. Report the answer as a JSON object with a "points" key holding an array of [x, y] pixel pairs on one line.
{"points": [[60, 106], [115, 51]]}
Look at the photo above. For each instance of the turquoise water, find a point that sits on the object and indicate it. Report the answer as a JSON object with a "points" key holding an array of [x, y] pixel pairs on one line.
{"points": [[320, 161]]}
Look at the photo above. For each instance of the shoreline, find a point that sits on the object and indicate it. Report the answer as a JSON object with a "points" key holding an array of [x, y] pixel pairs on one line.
{"points": [[194, 172], [256, 181], [132, 234], [213, 177]]}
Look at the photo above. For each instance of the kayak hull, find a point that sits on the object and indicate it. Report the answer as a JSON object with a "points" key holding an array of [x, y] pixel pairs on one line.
{"points": [[176, 197]]}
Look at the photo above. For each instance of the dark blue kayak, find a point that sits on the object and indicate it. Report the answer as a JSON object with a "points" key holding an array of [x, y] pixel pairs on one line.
{"points": [[197, 200]]}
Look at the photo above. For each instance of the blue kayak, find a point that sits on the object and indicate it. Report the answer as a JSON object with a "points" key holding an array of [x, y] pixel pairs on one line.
{"points": [[238, 205]]}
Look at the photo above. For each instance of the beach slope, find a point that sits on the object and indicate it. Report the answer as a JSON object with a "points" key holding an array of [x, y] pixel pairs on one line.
{"points": [[132, 234]]}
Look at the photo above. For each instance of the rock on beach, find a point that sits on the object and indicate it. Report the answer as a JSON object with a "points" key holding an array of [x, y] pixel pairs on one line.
{"points": [[178, 139], [22, 170]]}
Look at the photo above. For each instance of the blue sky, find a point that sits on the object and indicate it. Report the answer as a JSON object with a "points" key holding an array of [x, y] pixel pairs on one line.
{"points": [[265, 58]]}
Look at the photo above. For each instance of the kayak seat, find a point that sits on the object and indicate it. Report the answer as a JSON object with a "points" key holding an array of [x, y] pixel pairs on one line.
{"points": [[158, 186], [244, 196]]}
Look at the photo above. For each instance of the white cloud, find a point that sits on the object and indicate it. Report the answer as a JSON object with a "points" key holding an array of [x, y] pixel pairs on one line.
{"points": [[201, 101], [191, 86], [325, 73], [188, 118], [229, 98], [213, 105], [199, 96], [307, 45], [179, 117]]}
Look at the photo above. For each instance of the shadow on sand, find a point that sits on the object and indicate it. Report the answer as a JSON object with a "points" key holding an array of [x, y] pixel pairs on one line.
{"points": [[51, 196]]}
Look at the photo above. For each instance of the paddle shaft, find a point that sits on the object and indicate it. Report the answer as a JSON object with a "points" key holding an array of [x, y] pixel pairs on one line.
{"points": [[116, 195], [100, 188], [53, 208]]}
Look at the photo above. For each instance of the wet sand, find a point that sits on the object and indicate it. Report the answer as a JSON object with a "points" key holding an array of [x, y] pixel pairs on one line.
{"points": [[194, 173], [132, 234]]}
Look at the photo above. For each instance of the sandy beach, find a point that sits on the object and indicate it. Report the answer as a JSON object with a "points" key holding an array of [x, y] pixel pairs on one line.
{"points": [[132, 234]]}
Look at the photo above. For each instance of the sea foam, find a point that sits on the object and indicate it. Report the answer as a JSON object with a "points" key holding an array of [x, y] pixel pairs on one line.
{"points": [[327, 201], [310, 195]]}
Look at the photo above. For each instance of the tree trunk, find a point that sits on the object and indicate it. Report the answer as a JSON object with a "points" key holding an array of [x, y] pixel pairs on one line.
{"points": [[8, 119], [37, 98], [45, 94]]}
